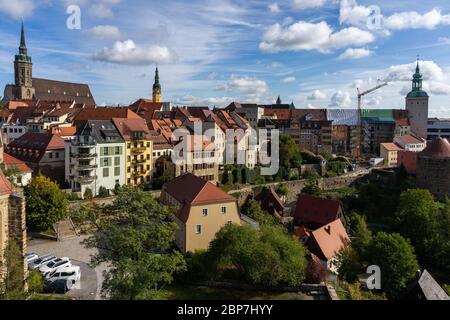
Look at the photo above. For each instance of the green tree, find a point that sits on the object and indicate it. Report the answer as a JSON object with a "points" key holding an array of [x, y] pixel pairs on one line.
{"points": [[282, 190], [135, 239], [290, 156], [252, 209], [395, 257], [103, 192], [266, 257], [159, 182], [14, 280], [417, 207], [349, 264], [46, 203], [361, 234], [35, 282], [312, 189], [88, 194]]}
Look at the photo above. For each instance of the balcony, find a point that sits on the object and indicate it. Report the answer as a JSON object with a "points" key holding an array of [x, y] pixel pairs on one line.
{"points": [[83, 155], [138, 150], [86, 179], [84, 143], [138, 173], [85, 167], [137, 161]]}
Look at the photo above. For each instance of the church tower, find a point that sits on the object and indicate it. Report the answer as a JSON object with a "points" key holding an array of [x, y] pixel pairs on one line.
{"points": [[417, 106], [157, 88], [23, 71]]}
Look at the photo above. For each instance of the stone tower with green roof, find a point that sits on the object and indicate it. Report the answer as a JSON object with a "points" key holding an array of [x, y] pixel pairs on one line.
{"points": [[417, 106]]}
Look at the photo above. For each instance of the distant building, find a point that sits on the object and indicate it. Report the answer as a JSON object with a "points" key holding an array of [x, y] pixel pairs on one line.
{"points": [[410, 142], [42, 152], [157, 95], [271, 202], [28, 87], [346, 131], [438, 128], [197, 156], [417, 106], [95, 158], [389, 152], [377, 126], [138, 151], [202, 210], [433, 167]]}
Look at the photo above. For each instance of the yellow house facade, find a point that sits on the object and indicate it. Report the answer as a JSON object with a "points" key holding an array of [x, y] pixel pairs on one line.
{"points": [[138, 150], [202, 210]]}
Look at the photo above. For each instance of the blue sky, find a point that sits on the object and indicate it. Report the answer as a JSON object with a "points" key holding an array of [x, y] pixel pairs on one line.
{"points": [[210, 52]]}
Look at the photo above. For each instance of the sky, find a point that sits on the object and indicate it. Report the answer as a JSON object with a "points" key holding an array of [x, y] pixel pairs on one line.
{"points": [[315, 53]]}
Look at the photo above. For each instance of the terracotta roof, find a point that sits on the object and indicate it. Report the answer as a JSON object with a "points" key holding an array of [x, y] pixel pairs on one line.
{"points": [[328, 240], [409, 139], [190, 189], [389, 146], [126, 127], [438, 148], [12, 163], [316, 114], [281, 114], [105, 113], [13, 104], [63, 131], [315, 211], [197, 143], [5, 186]]}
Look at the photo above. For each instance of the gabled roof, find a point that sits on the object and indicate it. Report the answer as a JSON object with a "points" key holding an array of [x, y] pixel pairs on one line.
{"points": [[309, 114], [36, 140], [328, 240], [389, 146], [190, 189], [315, 210], [127, 127], [105, 113], [5, 186], [438, 148], [62, 91], [63, 131], [102, 131], [409, 139], [12, 163]]}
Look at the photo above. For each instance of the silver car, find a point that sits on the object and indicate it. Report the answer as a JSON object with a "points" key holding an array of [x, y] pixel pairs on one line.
{"points": [[37, 263]]}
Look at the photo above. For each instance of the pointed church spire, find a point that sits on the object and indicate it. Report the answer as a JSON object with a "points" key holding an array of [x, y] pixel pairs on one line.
{"points": [[23, 46], [279, 100], [156, 87]]}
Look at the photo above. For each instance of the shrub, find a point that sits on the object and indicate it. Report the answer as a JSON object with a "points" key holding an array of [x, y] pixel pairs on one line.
{"points": [[88, 195], [103, 192]]}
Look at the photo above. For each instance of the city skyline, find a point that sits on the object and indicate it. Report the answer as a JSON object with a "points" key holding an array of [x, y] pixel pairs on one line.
{"points": [[235, 50]]}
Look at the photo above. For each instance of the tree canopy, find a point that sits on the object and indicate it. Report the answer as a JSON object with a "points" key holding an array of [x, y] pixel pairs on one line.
{"points": [[135, 239], [46, 203]]}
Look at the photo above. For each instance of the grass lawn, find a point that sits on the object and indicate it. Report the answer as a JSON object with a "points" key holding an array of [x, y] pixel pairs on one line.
{"points": [[190, 292]]}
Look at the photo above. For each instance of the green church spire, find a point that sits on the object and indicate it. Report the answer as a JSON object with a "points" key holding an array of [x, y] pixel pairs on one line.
{"points": [[417, 89], [23, 46]]}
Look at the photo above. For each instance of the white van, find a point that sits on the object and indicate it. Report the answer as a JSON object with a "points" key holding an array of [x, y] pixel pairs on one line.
{"points": [[72, 274]]}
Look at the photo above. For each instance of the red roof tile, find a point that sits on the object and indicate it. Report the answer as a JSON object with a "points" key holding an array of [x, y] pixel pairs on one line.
{"points": [[12, 163], [315, 211], [5, 186], [328, 240]]}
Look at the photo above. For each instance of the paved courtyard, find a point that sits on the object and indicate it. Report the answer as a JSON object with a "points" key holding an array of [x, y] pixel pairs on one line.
{"points": [[91, 279]]}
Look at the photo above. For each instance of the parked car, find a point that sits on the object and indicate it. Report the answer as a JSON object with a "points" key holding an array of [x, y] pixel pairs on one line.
{"points": [[31, 257], [55, 264], [36, 264], [72, 274], [58, 286]]}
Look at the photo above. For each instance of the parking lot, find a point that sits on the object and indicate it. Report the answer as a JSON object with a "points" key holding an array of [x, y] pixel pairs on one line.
{"points": [[91, 279]]}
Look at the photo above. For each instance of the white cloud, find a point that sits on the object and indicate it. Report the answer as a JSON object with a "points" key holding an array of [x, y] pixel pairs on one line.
{"points": [[128, 53], [17, 8], [340, 99], [358, 15], [415, 20], [100, 10], [104, 32], [307, 4], [404, 72], [352, 13], [289, 79], [358, 53], [274, 8], [246, 86], [317, 95], [374, 101], [190, 100], [312, 36]]}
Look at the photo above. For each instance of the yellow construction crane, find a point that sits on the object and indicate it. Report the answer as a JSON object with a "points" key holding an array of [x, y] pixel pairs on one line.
{"points": [[357, 153]]}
